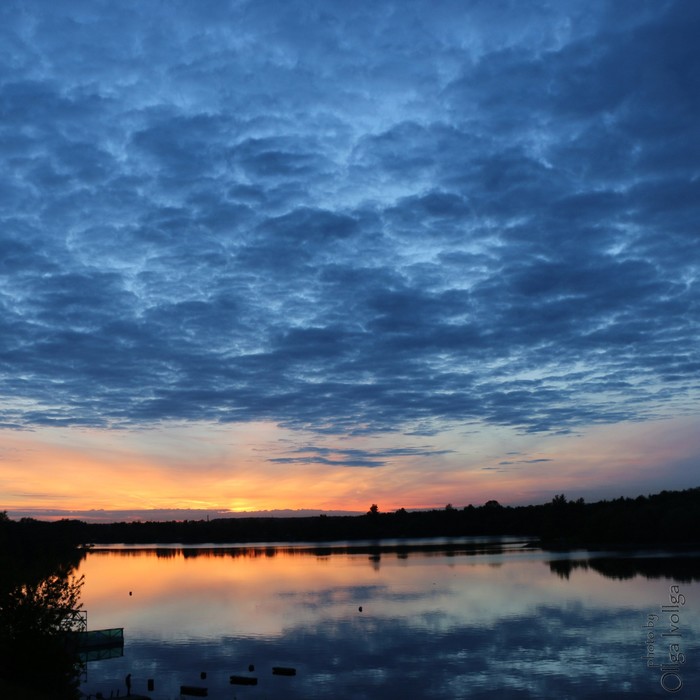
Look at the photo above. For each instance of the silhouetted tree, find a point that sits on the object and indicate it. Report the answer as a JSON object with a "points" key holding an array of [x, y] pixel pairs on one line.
{"points": [[38, 598]]}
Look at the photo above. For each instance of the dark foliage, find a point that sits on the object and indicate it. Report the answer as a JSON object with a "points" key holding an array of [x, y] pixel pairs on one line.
{"points": [[38, 598], [669, 519]]}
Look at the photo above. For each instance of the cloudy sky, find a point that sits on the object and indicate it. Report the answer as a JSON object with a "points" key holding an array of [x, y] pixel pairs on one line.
{"points": [[314, 255]]}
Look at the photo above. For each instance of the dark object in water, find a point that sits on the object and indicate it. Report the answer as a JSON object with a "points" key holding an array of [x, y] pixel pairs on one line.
{"points": [[360, 608], [283, 671], [251, 668], [194, 691], [243, 680]]}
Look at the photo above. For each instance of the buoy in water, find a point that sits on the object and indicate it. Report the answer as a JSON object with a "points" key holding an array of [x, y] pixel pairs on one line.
{"points": [[283, 671], [243, 680]]}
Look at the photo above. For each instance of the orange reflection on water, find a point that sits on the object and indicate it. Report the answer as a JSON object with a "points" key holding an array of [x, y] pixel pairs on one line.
{"points": [[215, 593], [180, 594]]}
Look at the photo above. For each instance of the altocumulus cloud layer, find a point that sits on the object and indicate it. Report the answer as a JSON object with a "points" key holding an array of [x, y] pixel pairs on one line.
{"points": [[349, 217]]}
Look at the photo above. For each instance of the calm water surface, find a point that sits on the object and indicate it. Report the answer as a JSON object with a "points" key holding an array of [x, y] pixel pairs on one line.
{"points": [[474, 619]]}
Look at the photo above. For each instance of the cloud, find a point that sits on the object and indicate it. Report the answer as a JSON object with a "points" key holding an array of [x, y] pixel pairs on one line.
{"points": [[354, 457], [511, 463], [352, 220]]}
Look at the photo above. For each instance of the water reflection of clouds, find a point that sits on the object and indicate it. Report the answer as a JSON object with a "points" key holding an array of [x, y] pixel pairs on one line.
{"points": [[525, 657], [430, 627]]}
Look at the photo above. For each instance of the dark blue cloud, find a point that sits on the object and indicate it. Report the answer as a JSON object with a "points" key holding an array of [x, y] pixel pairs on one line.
{"points": [[348, 219], [353, 457]]}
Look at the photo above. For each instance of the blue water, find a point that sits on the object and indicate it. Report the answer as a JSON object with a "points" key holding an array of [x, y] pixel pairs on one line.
{"points": [[421, 622]]}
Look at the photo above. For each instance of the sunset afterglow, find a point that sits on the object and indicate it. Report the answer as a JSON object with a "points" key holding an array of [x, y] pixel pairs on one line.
{"points": [[114, 473]]}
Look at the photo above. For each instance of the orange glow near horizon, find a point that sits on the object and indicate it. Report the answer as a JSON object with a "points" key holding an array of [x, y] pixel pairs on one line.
{"points": [[233, 468]]}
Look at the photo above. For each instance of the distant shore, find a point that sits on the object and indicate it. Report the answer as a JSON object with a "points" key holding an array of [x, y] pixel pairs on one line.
{"points": [[670, 519]]}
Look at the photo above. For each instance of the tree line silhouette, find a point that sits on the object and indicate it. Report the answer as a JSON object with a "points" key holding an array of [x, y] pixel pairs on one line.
{"points": [[669, 519]]}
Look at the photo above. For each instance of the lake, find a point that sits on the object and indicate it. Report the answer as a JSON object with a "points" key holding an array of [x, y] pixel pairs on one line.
{"points": [[468, 618]]}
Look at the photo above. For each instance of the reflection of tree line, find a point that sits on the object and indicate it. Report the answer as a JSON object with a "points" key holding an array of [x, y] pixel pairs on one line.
{"points": [[669, 518], [38, 597], [401, 550], [681, 569]]}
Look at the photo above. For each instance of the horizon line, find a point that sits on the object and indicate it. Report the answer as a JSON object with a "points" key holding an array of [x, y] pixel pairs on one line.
{"points": [[103, 515]]}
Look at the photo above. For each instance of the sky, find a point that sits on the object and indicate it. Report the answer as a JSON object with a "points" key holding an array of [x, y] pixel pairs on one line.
{"points": [[260, 255]]}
